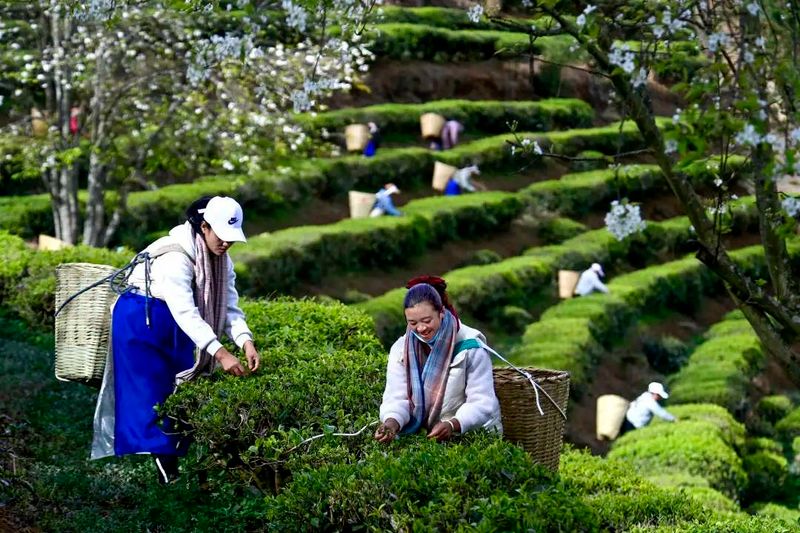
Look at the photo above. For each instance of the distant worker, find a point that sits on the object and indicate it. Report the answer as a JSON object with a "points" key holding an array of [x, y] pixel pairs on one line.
{"points": [[374, 139], [642, 409], [383, 202], [462, 181], [450, 132], [590, 281]]}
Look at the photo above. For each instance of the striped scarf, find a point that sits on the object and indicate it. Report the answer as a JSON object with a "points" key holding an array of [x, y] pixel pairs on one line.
{"points": [[211, 298], [426, 386]]}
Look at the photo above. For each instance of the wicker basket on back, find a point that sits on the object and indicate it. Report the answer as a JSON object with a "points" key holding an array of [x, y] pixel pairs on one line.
{"points": [[540, 435], [82, 326]]}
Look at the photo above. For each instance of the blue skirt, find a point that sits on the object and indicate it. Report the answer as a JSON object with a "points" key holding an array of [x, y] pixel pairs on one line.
{"points": [[146, 360]]}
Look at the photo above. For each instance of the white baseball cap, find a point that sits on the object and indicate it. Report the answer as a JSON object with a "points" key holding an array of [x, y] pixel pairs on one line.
{"points": [[597, 268], [225, 217], [392, 189], [657, 388]]}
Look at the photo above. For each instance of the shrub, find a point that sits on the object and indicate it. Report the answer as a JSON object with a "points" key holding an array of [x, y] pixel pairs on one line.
{"points": [[720, 369], [416, 41], [322, 368], [788, 427], [677, 284], [267, 192], [774, 408], [780, 512], [514, 319], [449, 18], [487, 117], [481, 257], [559, 229], [766, 474], [592, 160], [666, 354], [277, 261], [702, 443]]}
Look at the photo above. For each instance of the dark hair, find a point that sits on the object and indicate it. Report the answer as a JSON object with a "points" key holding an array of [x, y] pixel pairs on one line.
{"points": [[193, 215], [439, 285], [420, 293]]}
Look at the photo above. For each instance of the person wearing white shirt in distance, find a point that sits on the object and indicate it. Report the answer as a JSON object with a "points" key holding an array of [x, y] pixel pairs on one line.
{"points": [[589, 281], [641, 410]]}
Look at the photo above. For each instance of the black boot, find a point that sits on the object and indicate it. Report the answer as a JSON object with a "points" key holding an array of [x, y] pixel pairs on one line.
{"points": [[166, 468]]}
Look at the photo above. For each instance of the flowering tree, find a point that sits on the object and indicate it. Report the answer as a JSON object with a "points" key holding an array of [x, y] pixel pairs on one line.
{"points": [[736, 65], [123, 87]]}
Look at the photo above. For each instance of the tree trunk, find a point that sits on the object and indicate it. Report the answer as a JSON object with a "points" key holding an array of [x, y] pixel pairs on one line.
{"points": [[93, 229]]}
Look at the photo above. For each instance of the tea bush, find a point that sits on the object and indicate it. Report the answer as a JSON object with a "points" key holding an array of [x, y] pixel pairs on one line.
{"points": [[599, 319], [322, 368], [702, 443], [720, 369], [486, 117], [773, 408], [666, 354]]}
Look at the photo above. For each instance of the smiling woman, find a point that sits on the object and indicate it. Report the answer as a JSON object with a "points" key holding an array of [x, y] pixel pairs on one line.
{"points": [[439, 375], [165, 330]]}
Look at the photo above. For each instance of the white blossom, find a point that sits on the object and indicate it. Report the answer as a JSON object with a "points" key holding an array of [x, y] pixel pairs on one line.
{"points": [[748, 136], [296, 16], [753, 8], [227, 165], [670, 146], [624, 219], [622, 57], [715, 40], [791, 205], [475, 13]]}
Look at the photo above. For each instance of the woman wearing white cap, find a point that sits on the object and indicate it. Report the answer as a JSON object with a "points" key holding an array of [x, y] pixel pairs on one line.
{"points": [[167, 329], [642, 409]]}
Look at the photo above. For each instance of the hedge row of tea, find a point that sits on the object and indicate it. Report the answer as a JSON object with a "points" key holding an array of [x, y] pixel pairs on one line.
{"points": [[267, 193], [720, 369], [478, 117], [308, 252], [324, 374], [483, 291], [573, 334]]}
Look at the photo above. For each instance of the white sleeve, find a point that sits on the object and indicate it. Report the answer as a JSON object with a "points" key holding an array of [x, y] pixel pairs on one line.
{"points": [[599, 285], [235, 324], [395, 402], [175, 273], [660, 412], [481, 402]]}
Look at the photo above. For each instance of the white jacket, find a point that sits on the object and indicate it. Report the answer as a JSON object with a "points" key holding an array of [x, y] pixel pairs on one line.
{"points": [[589, 282], [171, 277], [469, 394], [642, 409]]}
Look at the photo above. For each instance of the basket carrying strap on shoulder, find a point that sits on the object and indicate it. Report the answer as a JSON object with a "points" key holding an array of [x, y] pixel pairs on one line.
{"points": [[466, 344], [167, 248]]}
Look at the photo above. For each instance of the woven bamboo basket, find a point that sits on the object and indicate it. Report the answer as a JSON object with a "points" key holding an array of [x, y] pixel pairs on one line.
{"points": [[611, 411], [567, 281], [540, 435], [431, 125], [441, 175], [360, 203], [83, 325], [46, 242], [356, 137]]}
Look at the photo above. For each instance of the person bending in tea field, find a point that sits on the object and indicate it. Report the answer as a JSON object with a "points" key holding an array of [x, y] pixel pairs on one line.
{"points": [[589, 281], [642, 409], [439, 375], [166, 330]]}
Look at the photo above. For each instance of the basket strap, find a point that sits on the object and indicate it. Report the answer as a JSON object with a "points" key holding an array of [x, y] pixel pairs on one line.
{"points": [[536, 386]]}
